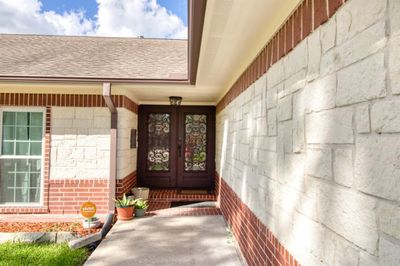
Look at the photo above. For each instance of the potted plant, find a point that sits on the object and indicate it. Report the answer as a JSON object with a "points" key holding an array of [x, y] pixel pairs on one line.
{"points": [[125, 207], [141, 206], [93, 222], [141, 192]]}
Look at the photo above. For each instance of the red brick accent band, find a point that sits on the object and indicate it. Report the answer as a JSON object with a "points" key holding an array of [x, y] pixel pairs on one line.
{"points": [[308, 16], [66, 196], [126, 184], [67, 100], [257, 243]]}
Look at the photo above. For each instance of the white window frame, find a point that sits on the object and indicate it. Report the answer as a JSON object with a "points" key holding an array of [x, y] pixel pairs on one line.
{"points": [[42, 157]]}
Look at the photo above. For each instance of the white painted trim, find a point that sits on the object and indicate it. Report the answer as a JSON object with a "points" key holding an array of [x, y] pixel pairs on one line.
{"points": [[184, 103]]}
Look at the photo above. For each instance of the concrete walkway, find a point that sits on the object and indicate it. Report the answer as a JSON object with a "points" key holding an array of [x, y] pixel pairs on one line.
{"points": [[184, 240]]}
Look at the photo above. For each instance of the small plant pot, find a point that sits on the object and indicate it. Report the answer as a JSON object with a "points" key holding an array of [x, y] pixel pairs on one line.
{"points": [[141, 192], [92, 224], [140, 212], [125, 214]]}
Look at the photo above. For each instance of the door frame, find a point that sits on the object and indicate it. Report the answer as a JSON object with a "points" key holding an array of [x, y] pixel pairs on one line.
{"points": [[172, 178]]}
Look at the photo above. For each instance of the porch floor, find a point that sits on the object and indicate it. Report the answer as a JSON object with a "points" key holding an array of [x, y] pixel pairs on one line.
{"points": [[160, 201], [167, 241]]}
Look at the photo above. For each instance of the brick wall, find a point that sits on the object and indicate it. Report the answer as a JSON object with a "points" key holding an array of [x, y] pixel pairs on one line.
{"points": [[258, 244], [311, 147], [66, 196], [308, 16], [126, 184], [66, 100], [77, 149]]}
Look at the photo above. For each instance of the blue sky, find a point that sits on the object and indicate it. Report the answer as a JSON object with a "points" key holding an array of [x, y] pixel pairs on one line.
{"points": [[119, 18], [178, 7]]}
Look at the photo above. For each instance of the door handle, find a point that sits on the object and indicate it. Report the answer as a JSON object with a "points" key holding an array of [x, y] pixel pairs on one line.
{"points": [[179, 150]]}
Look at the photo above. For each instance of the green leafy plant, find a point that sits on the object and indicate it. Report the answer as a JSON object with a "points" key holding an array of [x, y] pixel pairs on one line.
{"points": [[141, 204], [93, 219], [124, 202]]}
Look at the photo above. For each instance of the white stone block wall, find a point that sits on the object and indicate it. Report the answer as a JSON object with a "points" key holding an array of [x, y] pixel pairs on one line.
{"points": [[319, 164], [80, 143], [126, 157]]}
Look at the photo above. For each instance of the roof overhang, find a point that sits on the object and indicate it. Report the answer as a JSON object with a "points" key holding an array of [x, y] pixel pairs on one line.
{"points": [[196, 13]]}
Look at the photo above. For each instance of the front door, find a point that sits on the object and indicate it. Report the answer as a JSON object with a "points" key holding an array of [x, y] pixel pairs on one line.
{"points": [[176, 146]]}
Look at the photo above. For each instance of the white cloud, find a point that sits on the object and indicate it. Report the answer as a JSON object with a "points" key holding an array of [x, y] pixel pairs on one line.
{"points": [[139, 17], [114, 18]]}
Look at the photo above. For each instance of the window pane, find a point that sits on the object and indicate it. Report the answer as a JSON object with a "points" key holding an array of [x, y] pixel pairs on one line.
{"points": [[8, 133], [36, 148], [36, 119], [21, 179], [34, 195], [22, 164], [7, 148], [6, 193], [9, 118], [22, 195], [22, 133], [22, 119], [17, 183], [35, 165], [22, 148], [35, 133], [35, 180]]}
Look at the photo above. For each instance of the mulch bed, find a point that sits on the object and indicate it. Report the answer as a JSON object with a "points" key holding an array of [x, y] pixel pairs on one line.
{"points": [[73, 227]]}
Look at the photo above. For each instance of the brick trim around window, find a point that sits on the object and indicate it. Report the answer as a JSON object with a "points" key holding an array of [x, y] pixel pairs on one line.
{"points": [[309, 15]]}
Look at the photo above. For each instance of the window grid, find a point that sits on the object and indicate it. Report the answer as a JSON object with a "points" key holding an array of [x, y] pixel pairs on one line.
{"points": [[15, 187], [37, 158]]}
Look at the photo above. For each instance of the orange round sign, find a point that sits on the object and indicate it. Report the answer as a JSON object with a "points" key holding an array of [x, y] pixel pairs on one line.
{"points": [[88, 209]]}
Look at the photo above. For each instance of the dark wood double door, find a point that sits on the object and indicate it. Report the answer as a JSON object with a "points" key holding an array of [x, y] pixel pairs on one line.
{"points": [[176, 146]]}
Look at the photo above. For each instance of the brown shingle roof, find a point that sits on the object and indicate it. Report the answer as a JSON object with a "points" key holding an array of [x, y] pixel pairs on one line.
{"points": [[94, 57]]}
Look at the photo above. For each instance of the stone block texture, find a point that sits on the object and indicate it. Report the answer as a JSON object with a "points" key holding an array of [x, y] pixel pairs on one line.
{"points": [[126, 156], [321, 173], [80, 143]]}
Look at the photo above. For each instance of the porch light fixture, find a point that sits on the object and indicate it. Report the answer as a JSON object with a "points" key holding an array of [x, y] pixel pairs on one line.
{"points": [[175, 100]]}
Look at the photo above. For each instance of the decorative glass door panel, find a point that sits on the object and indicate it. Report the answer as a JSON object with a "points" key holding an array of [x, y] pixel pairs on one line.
{"points": [[176, 146], [195, 142], [158, 131]]}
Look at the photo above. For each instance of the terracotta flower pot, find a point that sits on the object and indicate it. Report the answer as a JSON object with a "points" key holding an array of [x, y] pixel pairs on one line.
{"points": [[125, 214]]}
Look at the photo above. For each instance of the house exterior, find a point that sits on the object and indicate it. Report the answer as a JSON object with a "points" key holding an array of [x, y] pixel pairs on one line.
{"points": [[307, 111]]}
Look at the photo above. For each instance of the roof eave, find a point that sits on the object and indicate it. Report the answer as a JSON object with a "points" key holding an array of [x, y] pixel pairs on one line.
{"points": [[92, 80], [196, 12]]}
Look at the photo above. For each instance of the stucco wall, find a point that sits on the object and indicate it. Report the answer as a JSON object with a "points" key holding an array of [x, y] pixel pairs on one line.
{"points": [[313, 146]]}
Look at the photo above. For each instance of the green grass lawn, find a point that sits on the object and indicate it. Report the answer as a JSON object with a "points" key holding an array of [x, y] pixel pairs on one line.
{"points": [[40, 254]]}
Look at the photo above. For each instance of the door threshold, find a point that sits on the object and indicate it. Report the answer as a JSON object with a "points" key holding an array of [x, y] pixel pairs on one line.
{"points": [[185, 191]]}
